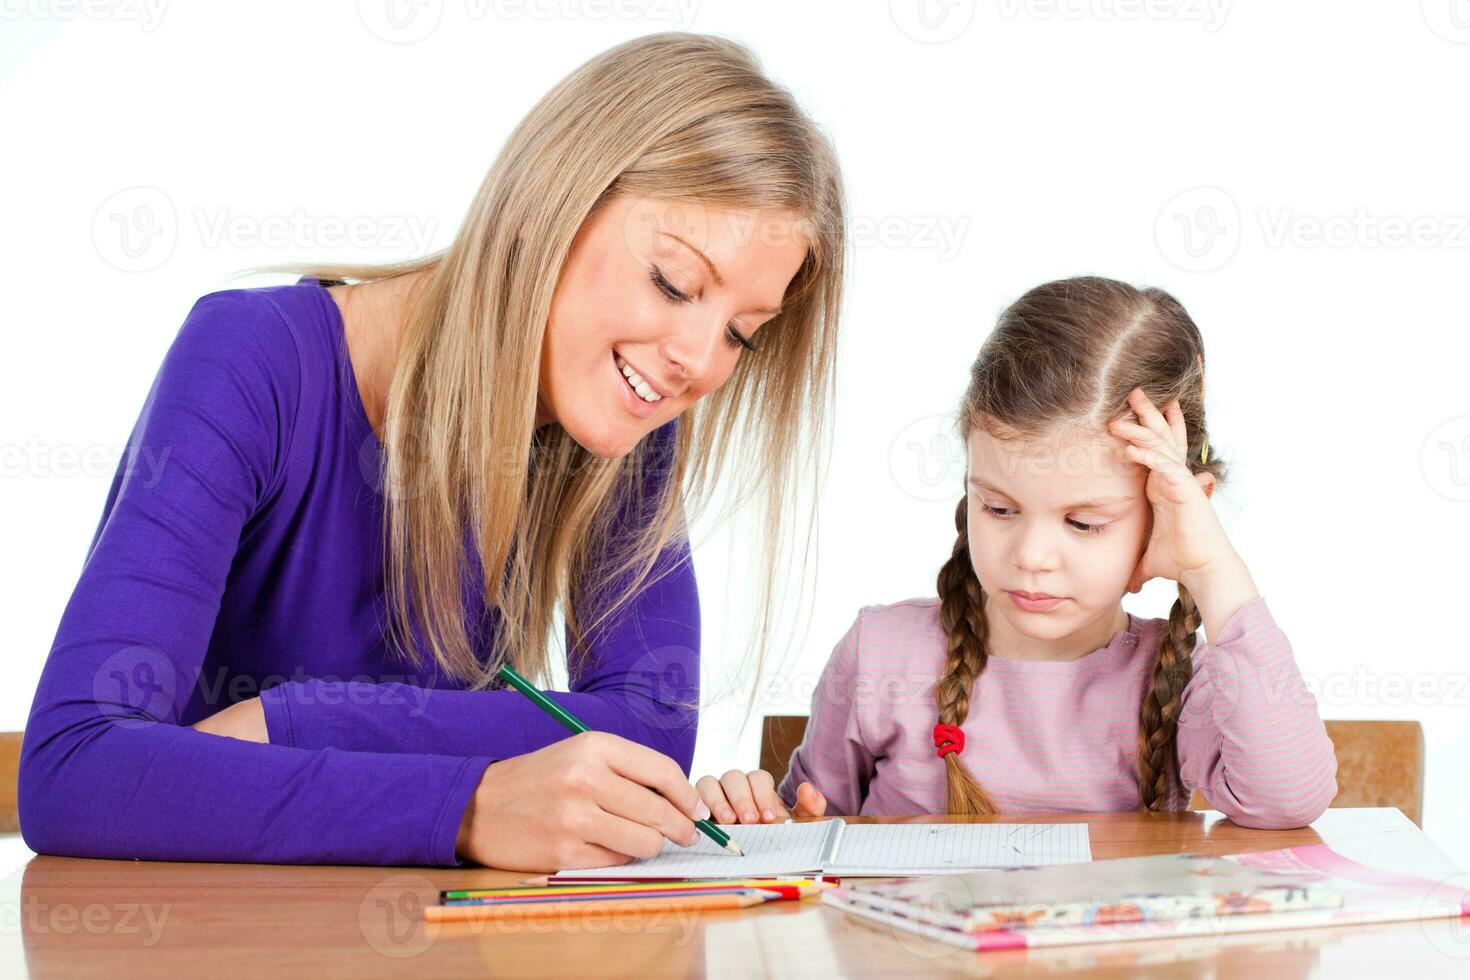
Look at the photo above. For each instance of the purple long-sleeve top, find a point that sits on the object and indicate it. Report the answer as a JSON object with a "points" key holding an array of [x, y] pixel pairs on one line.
{"points": [[240, 554]]}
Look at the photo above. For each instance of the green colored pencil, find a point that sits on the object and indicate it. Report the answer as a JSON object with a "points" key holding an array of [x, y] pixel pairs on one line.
{"points": [[515, 680]]}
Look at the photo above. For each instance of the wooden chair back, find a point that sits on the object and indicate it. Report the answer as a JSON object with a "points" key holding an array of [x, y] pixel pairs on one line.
{"points": [[9, 777]]}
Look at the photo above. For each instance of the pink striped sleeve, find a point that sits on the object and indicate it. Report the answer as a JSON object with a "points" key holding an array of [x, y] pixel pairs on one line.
{"points": [[1250, 737], [833, 754]]}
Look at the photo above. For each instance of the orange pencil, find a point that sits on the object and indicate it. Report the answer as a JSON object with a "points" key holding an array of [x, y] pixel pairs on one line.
{"points": [[701, 903]]}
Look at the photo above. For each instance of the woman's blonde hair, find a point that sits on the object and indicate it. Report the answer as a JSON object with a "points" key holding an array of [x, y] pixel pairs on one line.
{"points": [[683, 118], [1067, 354]]}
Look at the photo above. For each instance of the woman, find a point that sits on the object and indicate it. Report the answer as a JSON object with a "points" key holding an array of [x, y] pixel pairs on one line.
{"points": [[640, 305]]}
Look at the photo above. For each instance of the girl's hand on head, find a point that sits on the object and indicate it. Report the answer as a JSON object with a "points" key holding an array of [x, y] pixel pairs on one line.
{"points": [[740, 797], [1187, 537]]}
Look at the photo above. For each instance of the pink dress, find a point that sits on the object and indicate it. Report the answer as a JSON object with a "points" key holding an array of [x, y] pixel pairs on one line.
{"points": [[1047, 736]]}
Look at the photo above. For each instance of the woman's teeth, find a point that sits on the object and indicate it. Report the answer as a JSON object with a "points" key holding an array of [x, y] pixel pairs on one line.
{"points": [[642, 387]]}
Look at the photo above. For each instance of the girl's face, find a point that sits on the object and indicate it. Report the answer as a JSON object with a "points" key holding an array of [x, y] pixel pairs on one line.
{"points": [[1066, 517], [671, 294]]}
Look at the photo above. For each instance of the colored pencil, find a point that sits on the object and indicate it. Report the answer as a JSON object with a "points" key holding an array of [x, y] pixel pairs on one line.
{"points": [[697, 903], [785, 892], [569, 721], [452, 894], [769, 895]]}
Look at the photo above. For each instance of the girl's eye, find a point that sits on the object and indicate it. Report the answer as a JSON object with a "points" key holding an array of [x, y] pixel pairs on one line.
{"points": [[1003, 512], [734, 338]]}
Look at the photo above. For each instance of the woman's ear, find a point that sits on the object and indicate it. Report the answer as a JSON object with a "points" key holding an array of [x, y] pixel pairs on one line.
{"points": [[1207, 481]]}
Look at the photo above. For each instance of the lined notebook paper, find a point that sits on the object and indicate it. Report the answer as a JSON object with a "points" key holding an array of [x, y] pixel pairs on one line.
{"points": [[835, 847]]}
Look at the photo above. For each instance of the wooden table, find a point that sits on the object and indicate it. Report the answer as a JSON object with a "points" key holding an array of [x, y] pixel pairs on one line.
{"points": [[67, 917]]}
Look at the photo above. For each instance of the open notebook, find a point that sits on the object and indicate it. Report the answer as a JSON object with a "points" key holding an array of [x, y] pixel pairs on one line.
{"points": [[834, 847]]}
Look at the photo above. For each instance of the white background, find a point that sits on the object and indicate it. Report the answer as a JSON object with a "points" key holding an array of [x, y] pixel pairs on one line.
{"points": [[1293, 173]]}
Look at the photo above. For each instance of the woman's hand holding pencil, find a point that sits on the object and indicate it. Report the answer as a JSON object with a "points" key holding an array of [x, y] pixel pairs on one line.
{"points": [[591, 800]]}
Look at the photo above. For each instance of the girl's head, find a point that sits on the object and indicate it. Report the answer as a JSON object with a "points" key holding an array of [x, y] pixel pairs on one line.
{"points": [[667, 207], [1053, 507]]}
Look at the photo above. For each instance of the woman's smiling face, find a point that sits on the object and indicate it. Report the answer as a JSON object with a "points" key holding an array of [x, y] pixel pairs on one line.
{"points": [[1066, 516], [656, 303]]}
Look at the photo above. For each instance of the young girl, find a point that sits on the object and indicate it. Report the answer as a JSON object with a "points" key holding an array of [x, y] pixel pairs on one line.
{"points": [[1025, 686]]}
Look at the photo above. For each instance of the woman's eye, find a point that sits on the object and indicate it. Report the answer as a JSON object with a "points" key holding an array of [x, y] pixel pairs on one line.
{"points": [[995, 511], [734, 338], [738, 340], [670, 292]]}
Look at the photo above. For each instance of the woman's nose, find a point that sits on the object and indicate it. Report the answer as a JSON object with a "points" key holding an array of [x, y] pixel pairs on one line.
{"points": [[691, 349]]}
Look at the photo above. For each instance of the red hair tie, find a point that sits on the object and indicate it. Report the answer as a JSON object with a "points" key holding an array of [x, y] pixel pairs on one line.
{"points": [[948, 738]]}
